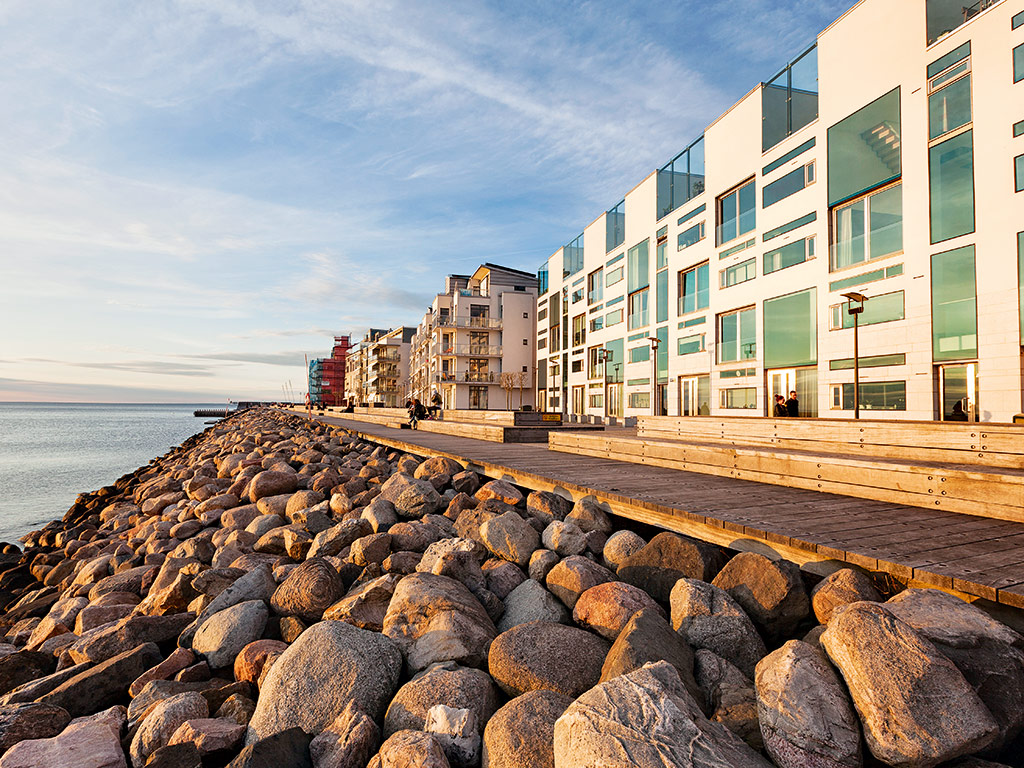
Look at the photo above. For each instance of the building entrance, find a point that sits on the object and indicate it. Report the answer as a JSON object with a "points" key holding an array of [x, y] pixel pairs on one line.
{"points": [[958, 392]]}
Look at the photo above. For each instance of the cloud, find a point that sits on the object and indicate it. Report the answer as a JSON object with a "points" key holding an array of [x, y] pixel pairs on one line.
{"points": [[290, 359], [39, 391], [160, 367]]}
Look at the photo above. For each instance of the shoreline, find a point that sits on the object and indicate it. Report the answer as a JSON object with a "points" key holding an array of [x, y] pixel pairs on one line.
{"points": [[278, 584]]}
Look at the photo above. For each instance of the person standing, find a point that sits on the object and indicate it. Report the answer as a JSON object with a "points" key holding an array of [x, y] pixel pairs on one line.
{"points": [[793, 405], [780, 407]]}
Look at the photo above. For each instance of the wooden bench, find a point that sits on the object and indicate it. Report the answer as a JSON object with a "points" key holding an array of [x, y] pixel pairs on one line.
{"points": [[804, 455], [500, 429]]}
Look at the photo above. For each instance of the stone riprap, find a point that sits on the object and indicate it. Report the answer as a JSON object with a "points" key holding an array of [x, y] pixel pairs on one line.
{"points": [[280, 592]]}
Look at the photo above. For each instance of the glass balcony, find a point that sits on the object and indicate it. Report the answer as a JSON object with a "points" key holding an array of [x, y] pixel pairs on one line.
{"points": [[466, 322], [473, 377], [471, 350]]}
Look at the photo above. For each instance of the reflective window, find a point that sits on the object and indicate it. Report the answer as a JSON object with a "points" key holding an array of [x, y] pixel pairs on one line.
{"points": [[682, 179], [613, 317], [614, 360], [615, 276], [691, 236], [789, 255], [572, 257], [595, 286], [661, 364], [639, 315], [579, 330], [638, 269], [596, 323], [640, 354], [738, 273], [542, 280], [877, 309], [951, 176], [1018, 63], [662, 248], [789, 101], [1020, 281], [945, 62], [874, 396], [864, 149], [943, 16], [791, 330], [615, 226], [688, 345], [787, 185], [954, 305], [693, 289], [738, 397], [1018, 173], [737, 212], [639, 399], [949, 106], [737, 336], [868, 228], [661, 296]]}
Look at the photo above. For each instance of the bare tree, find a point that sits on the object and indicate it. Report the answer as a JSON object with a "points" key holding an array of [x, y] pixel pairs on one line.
{"points": [[508, 383]]}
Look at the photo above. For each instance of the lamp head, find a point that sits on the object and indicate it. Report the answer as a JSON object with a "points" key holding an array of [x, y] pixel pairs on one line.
{"points": [[854, 296]]}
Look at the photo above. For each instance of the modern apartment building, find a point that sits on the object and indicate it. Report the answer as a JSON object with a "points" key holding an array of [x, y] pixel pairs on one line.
{"points": [[378, 368], [884, 161], [475, 345]]}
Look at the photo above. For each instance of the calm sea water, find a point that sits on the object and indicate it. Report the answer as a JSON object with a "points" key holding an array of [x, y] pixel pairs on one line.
{"points": [[51, 452]]}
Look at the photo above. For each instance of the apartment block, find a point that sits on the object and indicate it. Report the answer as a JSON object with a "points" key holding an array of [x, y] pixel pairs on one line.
{"points": [[475, 345], [881, 169], [378, 368]]}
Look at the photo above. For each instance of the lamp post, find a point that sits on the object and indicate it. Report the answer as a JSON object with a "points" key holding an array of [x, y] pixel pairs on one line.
{"points": [[855, 307], [654, 373], [603, 356]]}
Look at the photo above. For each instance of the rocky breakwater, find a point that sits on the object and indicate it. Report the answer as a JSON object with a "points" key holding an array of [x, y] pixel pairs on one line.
{"points": [[279, 593]]}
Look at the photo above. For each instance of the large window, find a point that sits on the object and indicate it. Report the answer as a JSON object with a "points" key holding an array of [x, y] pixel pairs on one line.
{"points": [[1020, 281], [690, 236], [639, 316], [868, 228], [791, 330], [864, 149], [789, 255], [572, 257], [614, 276], [682, 179], [639, 399], [949, 104], [661, 363], [640, 354], [951, 175], [661, 296], [662, 248], [737, 336], [595, 286], [688, 345], [595, 366], [615, 226], [738, 397], [738, 273], [787, 185], [638, 268], [579, 330], [874, 396], [542, 280], [693, 289], [789, 101], [1018, 63], [885, 308], [613, 318], [737, 212], [615, 361], [954, 305]]}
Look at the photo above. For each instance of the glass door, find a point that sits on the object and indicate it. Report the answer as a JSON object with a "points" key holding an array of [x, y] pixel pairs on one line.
{"points": [[958, 392], [615, 400], [780, 382], [688, 403], [578, 400]]}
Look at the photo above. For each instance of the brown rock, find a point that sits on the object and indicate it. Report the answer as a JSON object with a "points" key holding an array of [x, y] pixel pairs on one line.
{"points": [[30, 721], [272, 483], [308, 591], [162, 721], [209, 734], [410, 749], [366, 604], [573, 576], [544, 655], [105, 684], [667, 558], [250, 660], [444, 683], [608, 607], [840, 588], [770, 591], [348, 742], [729, 695], [500, 490], [172, 665], [520, 734]]}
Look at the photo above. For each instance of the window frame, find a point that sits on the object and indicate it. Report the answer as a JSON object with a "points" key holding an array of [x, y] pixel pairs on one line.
{"points": [[642, 294], [834, 227], [750, 266], [720, 208], [719, 335], [681, 295], [809, 250]]}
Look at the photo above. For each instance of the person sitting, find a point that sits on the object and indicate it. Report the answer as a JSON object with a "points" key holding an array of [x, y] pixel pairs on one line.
{"points": [[435, 405], [958, 413], [416, 412], [780, 407]]}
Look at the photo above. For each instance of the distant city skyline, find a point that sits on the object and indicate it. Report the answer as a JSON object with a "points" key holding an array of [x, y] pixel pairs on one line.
{"points": [[195, 195]]}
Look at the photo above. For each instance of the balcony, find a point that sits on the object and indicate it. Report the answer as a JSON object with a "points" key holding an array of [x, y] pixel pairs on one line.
{"points": [[466, 322], [387, 353], [471, 350], [470, 377]]}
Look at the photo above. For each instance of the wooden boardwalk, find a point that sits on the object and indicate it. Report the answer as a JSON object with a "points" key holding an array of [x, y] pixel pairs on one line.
{"points": [[974, 556]]}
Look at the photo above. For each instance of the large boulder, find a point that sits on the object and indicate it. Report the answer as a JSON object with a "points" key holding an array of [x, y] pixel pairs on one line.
{"points": [[162, 721], [520, 734], [511, 538], [287, 748], [543, 655], [841, 588], [564, 538], [23, 666], [895, 677], [707, 617], [410, 749], [573, 576], [646, 719], [227, 632], [619, 546], [257, 584], [547, 506], [770, 591], [30, 720], [608, 607], [366, 604], [531, 602], [126, 634], [665, 559], [105, 684], [434, 618], [349, 742], [272, 483], [443, 683], [413, 498], [308, 591], [501, 490], [92, 741], [988, 653], [330, 664], [806, 717]]}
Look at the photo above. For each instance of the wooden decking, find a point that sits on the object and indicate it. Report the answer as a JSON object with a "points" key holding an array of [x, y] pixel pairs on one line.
{"points": [[974, 556]]}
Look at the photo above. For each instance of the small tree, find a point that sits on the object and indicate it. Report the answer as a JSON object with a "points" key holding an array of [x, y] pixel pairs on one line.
{"points": [[508, 383]]}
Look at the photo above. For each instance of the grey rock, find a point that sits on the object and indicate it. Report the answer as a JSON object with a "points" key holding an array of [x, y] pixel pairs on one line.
{"points": [[222, 636], [667, 558], [770, 591], [531, 602], [444, 683], [510, 537], [521, 733], [544, 655]]}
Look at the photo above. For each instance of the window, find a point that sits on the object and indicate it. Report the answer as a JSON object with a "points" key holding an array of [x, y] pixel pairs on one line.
{"points": [[577, 366], [542, 314], [661, 363], [954, 305], [693, 289], [640, 354], [788, 255], [579, 330], [639, 399], [1020, 281], [615, 226], [542, 343], [874, 396], [1018, 63], [613, 317], [737, 212], [595, 368], [791, 330], [661, 296], [638, 273], [542, 280], [1017, 21], [738, 397], [1018, 173], [739, 273], [638, 313], [595, 286], [796, 152], [682, 179], [951, 177], [661, 260], [868, 228], [949, 99], [690, 236], [554, 336], [737, 336], [615, 276], [787, 185], [871, 361], [877, 309], [597, 401], [789, 226], [596, 323], [789, 101], [577, 295], [478, 398], [864, 149], [688, 345], [572, 257]]}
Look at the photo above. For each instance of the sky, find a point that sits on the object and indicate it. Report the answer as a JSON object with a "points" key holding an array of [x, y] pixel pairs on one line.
{"points": [[195, 195]]}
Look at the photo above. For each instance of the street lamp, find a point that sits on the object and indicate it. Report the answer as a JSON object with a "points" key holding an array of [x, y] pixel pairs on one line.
{"points": [[855, 307], [654, 373], [603, 356]]}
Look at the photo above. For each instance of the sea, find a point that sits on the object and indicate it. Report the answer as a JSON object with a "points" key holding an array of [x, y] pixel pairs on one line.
{"points": [[51, 452]]}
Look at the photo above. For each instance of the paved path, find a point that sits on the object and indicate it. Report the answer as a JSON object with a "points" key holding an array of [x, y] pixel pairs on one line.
{"points": [[972, 555]]}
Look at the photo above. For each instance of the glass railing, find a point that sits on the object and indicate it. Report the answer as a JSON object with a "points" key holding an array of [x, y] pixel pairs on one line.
{"points": [[471, 350], [467, 322], [478, 377]]}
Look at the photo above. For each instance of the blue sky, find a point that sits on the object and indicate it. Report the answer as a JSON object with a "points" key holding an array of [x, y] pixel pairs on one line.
{"points": [[196, 193]]}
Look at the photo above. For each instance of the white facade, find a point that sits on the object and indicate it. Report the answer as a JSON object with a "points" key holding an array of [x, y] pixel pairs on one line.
{"points": [[476, 344], [378, 368], [897, 182]]}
